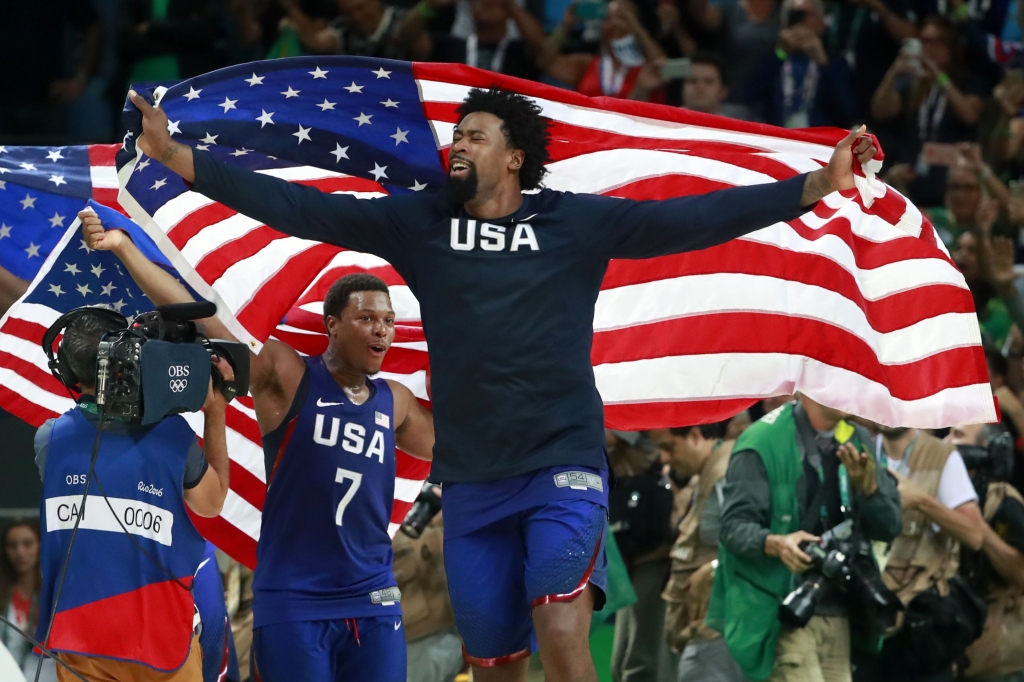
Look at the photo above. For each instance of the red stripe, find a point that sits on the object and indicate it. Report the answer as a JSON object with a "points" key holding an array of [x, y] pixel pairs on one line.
{"points": [[494, 662], [211, 267], [272, 301], [103, 154], [754, 332], [247, 486], [28, 371], [193, 223], [108, 197], [408, 466], [243, 423], [227, 537], [399, 510], [24, 409], [643, 416]]}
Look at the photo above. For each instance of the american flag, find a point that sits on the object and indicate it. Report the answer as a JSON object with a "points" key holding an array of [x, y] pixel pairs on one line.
{"points": [[41, 191], [857, 303]]}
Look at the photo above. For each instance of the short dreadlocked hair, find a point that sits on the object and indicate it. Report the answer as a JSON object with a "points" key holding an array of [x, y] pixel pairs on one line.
{"points": [[522, 124]]}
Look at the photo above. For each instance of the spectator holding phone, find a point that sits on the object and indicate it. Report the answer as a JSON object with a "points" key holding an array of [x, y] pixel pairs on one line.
{"points": [[704, 87], [625, 47], [800, 86], [929, 86]]}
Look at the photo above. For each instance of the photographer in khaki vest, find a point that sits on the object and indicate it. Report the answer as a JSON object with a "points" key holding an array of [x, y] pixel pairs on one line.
{"points": [[940, 511], [434, 647], [997, 571], [700, 454]]}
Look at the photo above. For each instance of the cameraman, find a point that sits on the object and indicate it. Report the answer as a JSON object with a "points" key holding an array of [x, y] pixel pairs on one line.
{"points": [[784, 487], [998, 569], [125, 607]]}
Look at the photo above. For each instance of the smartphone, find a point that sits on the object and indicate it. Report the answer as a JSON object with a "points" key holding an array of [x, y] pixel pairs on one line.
{"points": [[912, 46], [675, 69], [590, 10], [940, 154]]}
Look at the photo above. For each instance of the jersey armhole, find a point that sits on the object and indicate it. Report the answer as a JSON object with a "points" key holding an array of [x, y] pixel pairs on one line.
{"points": [[272, 440]]}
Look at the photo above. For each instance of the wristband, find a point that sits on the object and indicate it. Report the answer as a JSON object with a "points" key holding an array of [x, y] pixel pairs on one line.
{"points": [[425, 10], [942, 80]]}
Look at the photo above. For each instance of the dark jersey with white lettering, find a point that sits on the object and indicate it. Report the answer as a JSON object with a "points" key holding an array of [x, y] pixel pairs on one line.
{"points": [[507, 304], [324, 551]]}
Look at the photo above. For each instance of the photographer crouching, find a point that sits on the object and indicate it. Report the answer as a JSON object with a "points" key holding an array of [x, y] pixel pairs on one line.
{"points": [[119, 551], [797, 581], [997, 570]]}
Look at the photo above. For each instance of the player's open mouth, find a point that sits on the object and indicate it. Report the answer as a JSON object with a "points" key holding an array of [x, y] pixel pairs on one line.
{"points": [[378, 350], [458, 167]]}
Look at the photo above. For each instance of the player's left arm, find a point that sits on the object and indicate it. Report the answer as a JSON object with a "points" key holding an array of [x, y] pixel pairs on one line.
{"points": [[645, 229], [414, 424]]}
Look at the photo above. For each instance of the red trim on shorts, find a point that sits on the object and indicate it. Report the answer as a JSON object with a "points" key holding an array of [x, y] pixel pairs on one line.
{"points": [[494, 662], [256, 668], [284, 446], [577, 591]]}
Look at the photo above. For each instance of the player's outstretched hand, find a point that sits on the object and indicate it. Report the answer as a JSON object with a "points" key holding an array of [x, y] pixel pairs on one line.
{"points": [[838, 174], [96, 236], [156, 141]]}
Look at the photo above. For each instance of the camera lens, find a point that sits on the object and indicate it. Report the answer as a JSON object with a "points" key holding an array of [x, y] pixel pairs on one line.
{"points": [[798, 606]]}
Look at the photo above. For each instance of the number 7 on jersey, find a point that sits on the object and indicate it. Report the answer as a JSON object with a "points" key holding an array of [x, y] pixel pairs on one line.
{"points": [[340, 477]]}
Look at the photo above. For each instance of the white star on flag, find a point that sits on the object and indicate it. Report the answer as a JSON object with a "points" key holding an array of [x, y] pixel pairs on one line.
{"points": [[172, 126], [83, 289], [390, 104], [355, 88], [417, 185], [381, 73], [400, 136], [55, 155], [56, 290], [72, 268], [5, 230], [107, 289], [84, 246], [240, 152], [142, 164], [289, 93], [118, 305], [318, 73], [192, 94], [28, 166], [3, 149], [228, 104], [3, 184], [326, 105], [97, 269], [57, 220], [363, 118], [32, 250], [204, 147], [58, 180], [27, 202], [210, 139], [255, 80], [265, 118], [303, 134], [378, 171], [339, 152], [159, 183]]}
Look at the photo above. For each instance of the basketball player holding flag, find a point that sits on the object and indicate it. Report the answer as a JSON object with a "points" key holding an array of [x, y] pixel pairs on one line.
{"points": [[507, 284]]}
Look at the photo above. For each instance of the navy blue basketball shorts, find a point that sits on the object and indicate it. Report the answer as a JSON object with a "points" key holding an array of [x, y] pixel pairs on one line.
{"points": [[342, 650], [499, 572]]}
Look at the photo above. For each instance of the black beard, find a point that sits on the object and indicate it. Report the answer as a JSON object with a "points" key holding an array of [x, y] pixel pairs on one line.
{"points": [[462, 190], [893, 432]]}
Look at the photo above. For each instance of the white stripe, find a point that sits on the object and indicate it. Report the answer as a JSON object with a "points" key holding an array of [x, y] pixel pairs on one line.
{"points": [[865, 225], [216, 235], [24, 350], [34, 312], [625, 124], [873, 284], [31, 392], [602, 171], [104, 177], [246, 454], [415, 382], [754, 375], [411, 345], [407, 489], [174, 211], [242, 515], [242, 281], [730, 292], [251, 414], [392, 529]]}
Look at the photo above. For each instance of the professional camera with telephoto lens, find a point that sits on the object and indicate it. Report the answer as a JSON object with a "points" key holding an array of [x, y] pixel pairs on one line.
{"points": [[848, 565], [988, 463], [160, 365], [423, 511]]}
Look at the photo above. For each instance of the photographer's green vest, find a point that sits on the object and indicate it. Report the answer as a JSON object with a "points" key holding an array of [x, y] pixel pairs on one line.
{"points": [[747, 593]]}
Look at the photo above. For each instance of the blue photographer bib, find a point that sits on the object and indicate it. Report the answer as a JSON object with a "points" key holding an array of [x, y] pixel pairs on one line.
{"points": [[116, 603], [324, 549]]}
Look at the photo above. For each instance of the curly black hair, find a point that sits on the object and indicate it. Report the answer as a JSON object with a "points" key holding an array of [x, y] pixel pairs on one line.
{"points": [[522, 124], [340, 293]]}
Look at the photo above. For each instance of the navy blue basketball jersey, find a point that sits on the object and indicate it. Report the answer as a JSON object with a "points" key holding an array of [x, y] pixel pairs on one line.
{"points": [[324, 549]]}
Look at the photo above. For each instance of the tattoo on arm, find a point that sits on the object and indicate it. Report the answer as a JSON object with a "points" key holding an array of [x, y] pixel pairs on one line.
{"points": [[816, 186], [173, 149]]}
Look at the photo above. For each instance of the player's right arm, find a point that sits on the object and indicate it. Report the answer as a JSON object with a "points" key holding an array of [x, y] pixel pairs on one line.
{"points": [[274, 373], [297, 210]]}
